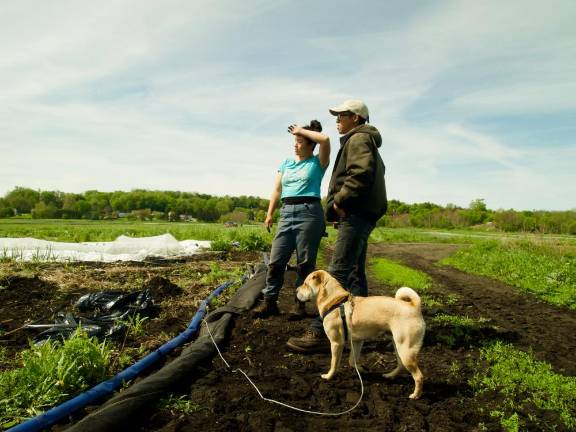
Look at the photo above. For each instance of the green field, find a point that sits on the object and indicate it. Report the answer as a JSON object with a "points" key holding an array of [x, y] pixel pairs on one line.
{"points": [[544, 265], [424, 235], [87, 231], [77, 230]]}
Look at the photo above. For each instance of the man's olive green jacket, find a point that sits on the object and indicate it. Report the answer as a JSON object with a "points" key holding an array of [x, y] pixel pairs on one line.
{"points": [[357, 184]]}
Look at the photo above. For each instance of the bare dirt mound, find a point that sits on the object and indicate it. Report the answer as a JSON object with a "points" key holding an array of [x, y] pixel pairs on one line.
{"points": [[25, 299]]}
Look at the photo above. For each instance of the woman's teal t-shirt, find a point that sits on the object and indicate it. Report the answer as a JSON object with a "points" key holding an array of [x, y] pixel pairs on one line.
{"points": [[301, 178]]}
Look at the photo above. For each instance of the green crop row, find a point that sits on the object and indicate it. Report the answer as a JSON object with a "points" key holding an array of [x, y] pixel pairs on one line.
{"points": [[546, 271], [524, 382]]}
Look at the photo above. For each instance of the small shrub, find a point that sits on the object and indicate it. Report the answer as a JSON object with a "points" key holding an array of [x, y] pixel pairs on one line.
{"points": [[50, 374], [254, 242]]}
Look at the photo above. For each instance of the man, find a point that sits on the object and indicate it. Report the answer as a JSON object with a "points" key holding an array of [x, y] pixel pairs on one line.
{"points": [[356, 200]]}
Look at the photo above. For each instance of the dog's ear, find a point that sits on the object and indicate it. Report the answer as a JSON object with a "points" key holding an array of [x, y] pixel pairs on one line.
{"points": [[317, 276]]}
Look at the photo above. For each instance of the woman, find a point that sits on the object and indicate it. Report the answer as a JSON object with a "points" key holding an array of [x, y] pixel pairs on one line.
{"points": [[301, 223]]}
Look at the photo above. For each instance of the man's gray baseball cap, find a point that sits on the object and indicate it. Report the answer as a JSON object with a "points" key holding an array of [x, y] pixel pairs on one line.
{"points": [[354, 106]]}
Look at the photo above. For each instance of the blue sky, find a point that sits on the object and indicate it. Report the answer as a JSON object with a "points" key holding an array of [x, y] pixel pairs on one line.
{"points": [[474, 99]]}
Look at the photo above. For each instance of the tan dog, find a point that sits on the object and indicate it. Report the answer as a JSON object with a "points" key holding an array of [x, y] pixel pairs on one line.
{"points": [[368, 318]]}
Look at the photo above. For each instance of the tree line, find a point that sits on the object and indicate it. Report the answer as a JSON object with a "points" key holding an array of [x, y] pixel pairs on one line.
{"points": [[429, 215], [173, 205], [136, 204]]}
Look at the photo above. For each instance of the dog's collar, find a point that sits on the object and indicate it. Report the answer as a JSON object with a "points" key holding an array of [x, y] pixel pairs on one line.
{"points": [[335, 306], [337, 302], [340, 305]]}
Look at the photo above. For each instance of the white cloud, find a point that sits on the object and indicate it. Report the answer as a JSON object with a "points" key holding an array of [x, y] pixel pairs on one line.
{"points": [[520, 99], [66, 43], [197, 95]]}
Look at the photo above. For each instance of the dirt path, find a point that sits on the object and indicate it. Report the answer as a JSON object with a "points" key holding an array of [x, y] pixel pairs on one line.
{"points": [[548, 330]]}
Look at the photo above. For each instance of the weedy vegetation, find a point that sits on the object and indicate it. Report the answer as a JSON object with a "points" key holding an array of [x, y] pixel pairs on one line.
{"points": [[50, 374], [135, 325], [523, 382], [545, 270], [179, 404], [218, 275], [242, 240], [457, 330], [397, 275]]}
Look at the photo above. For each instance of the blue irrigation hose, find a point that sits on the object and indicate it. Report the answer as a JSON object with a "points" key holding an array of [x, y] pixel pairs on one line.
{"points": [[105, 388]]}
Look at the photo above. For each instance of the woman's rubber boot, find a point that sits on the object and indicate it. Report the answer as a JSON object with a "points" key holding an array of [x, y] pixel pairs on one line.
{"points": [[267, 308]]}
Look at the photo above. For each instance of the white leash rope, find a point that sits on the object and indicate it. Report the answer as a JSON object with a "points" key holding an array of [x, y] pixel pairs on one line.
{"points": [[282, 403]]}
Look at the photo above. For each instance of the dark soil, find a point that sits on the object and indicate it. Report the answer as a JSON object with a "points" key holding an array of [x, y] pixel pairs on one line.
{"points": [[223, 400], [36, 292], [26, 300]]}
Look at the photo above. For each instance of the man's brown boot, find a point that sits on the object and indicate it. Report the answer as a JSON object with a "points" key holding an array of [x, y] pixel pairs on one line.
{"points": [[298, 311], [310, 342], [267, 308]]}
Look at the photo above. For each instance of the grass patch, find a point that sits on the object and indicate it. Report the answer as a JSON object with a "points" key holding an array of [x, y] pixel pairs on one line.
{"points": [[242, 240], [321, 259], [458, 331], [459, 321], [179, 404], [50, 374], [217, 275], [397, 275], [544, 270], [525, 383], [135, 325]]}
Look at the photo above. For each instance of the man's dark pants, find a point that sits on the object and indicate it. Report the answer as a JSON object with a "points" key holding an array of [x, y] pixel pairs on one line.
{"points": [[348, 264]]}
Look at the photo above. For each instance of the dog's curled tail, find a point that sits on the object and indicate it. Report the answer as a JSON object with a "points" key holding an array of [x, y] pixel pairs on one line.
{"points": [[408, 295]]}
